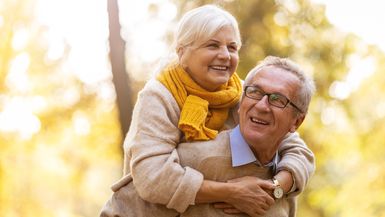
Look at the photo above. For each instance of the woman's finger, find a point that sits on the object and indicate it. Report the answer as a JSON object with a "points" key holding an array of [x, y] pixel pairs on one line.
{"points": [[223, 206], [232, 211]]}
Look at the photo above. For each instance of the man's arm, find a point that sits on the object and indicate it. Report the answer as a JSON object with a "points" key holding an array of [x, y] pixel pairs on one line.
{"points": [[150, 151]]}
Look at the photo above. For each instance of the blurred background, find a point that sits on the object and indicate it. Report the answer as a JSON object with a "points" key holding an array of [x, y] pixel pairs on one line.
{"points": [[70, 71]]}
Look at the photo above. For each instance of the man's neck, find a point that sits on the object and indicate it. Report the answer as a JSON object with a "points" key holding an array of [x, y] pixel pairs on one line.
{"points": [[264, 156]]}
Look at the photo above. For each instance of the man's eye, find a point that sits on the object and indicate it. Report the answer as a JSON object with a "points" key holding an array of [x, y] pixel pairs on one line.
{"points": [[274, 97], [256, 93], [278, 99]]}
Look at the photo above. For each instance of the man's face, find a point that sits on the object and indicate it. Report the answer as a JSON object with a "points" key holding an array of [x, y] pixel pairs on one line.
{"points": [[262, 124]]}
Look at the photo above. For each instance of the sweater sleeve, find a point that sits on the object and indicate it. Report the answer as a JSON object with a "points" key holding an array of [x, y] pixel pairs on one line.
{"points": [[150, 152], [298, 159]]}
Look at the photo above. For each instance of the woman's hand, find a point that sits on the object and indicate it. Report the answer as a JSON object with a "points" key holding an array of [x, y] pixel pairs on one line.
{"points": [[249, 196]]}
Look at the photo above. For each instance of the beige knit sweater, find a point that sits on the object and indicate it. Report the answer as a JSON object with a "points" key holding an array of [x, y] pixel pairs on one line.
{"points": [[154, 166]]}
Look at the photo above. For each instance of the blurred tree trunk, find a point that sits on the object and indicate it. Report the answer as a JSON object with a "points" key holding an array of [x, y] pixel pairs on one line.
{"points": [[121, 79]]}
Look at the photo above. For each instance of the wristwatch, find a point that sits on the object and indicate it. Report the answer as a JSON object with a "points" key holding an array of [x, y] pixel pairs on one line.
{"points": [[278, 190]]}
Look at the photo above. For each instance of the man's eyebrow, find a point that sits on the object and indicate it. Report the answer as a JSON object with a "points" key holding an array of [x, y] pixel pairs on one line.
{"points": [[259, 87], [255, 85]]}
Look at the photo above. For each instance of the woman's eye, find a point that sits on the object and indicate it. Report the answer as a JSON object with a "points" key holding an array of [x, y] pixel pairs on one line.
{"points": [[213, 45], [233, 48]]}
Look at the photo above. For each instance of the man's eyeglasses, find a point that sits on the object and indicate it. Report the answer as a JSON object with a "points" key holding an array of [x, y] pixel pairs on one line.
{"points": [[274, 99]]}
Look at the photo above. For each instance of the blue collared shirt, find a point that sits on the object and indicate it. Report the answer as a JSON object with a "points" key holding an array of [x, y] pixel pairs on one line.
{"points": [[242, 154]]}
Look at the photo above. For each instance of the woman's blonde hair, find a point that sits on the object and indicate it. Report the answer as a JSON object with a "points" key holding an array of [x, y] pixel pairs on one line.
{"points": [[196, 27], [199, 24]]}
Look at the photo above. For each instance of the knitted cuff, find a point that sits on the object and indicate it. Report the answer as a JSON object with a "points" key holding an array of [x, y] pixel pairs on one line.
{"points": [[193, 116]]}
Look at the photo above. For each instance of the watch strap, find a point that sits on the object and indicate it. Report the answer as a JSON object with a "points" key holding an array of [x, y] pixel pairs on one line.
{"points": [[275, 182]]}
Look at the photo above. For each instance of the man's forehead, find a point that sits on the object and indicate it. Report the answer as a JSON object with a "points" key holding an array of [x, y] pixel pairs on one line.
{"points": [[273, 72], [275, 78]]}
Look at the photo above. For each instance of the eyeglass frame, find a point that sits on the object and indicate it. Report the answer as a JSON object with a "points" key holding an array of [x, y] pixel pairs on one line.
{"points": [[268, 98]]}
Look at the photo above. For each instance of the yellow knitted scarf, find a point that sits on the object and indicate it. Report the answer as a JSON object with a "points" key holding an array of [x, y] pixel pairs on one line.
{"points": [[203, 113]]}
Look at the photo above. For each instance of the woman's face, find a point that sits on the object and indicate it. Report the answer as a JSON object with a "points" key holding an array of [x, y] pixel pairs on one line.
{"points": [[212, 64]]}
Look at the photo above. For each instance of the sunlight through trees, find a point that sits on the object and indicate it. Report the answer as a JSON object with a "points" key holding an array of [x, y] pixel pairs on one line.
{"points": [[60, 135]]}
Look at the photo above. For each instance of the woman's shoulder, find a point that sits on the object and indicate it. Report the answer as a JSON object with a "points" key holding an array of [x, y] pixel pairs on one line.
{"points": [[156, 101], [155, 89]]}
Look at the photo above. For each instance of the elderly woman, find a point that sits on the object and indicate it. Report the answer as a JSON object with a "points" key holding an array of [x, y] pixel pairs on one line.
{"points": [[192, 99]]}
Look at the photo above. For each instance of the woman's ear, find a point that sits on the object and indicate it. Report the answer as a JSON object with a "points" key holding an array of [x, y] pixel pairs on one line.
{"points": [[183, 55], [180, 52]]}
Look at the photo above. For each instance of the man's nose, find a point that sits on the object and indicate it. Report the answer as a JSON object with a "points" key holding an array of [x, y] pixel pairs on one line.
{"points": [[263, 104]]}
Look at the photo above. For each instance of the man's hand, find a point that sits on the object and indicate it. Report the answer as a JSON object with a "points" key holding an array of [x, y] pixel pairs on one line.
{"points": [[249, 196]]}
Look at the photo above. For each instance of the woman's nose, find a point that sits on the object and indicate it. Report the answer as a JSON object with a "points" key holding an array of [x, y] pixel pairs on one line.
{"points": [[224, 53]]}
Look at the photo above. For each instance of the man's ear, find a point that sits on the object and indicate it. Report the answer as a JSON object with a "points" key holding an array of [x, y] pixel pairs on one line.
{"points": [[239, 106], [298, 121]]}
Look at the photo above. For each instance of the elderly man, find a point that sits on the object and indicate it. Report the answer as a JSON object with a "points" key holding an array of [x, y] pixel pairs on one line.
{"points": [[274, 103]]}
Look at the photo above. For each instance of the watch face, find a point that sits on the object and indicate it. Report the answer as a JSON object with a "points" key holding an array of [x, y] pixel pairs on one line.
{"points": [[278, 193]]}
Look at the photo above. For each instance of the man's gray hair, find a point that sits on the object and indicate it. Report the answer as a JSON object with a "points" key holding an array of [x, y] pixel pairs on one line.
{"points": [[307, 87]]}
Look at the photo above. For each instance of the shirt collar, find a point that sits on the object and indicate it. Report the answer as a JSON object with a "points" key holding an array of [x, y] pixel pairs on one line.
{"points": [[241, 152]]}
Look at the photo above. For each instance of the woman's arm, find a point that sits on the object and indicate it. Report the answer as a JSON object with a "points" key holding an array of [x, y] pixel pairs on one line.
{"points": [[242, 195], [153, 162], [297, 161], [286, 180], [150, 155]]}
